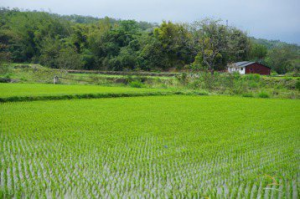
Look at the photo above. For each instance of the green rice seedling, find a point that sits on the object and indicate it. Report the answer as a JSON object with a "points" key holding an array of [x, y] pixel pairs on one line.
{"points": [[35, 92], [29, 90], [183, 146]]}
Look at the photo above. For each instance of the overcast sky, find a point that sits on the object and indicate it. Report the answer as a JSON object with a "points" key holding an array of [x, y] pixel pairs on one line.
{"points": [[269, 19]]}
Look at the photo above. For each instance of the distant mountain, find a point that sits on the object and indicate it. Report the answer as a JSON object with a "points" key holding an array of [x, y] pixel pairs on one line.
{"points": [[271, 43]]}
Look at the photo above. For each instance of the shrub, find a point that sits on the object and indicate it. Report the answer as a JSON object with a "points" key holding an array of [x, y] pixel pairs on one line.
{"points": [[136, 84], [298, 85], [263, 94], [253, 84], [208, 80], [292, 95], [182, 78], [292, 74], [4, 69], [23, 79], [4, 80], [128, 79], [236, 75], [275, 92], [194, 85], [252, 77], [247, 95], [274, 73], [201, 93], [240, 87]]}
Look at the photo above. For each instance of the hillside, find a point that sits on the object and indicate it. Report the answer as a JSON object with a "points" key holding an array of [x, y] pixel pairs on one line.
{"points": [[90, 43], [269, 44]]}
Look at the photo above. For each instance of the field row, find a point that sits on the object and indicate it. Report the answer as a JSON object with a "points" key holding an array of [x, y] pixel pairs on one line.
{"points": [[39, 92], [22, 90]]}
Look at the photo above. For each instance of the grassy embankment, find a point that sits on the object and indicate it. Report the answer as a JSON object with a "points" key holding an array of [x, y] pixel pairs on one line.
{"points": [[219, 84]]}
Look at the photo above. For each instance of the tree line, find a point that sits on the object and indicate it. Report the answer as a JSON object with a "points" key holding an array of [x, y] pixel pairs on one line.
{"points": [[78, 42]]}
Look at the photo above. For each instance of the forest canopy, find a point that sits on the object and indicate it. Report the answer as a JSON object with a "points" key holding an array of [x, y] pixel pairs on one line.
{"points": [[79, 42]]}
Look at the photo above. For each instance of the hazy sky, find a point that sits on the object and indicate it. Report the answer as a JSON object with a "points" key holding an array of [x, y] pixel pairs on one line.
{"points": [[270, 19]]}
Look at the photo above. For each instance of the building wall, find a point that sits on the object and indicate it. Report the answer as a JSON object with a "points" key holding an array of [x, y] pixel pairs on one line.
{"points": [[242, 71], [232, 69], [258, 69]]}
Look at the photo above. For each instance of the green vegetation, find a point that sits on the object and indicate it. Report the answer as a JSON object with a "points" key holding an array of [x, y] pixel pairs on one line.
{"points": [[21, 90], [263, 95], [77, 42], [159, 135], [218, 83], [34, 92], [38, 92], [151, 147]]}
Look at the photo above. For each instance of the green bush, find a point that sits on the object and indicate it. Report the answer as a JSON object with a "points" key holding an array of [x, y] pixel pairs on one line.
{"points": [[253, 84], [236, 75], [4, 69], [274, 73], [247, 95], [4, 80], [23, 79], [7, 75], [298, 85], [201, 93], [182, 78], [275, 92], [136, 84], [263, 94], [194, 85], [129, 79], [252, 77], [208, 80], [292, 74]]}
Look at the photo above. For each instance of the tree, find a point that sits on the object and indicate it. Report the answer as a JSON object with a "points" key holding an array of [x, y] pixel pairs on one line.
{"points": [[110, 44], [30, 30], [50, 50], [284, 58], [151, 55], [61, 54], [238, 45], [210, 41], [68, 59], [5, 55], [175, 43], [258, 52]]}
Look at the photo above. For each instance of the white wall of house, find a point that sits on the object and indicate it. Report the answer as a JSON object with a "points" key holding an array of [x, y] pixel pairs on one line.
{"points": [[241, 70]]}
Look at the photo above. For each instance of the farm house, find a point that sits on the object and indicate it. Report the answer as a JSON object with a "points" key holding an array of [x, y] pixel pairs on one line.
{"points": [[247, 67]]}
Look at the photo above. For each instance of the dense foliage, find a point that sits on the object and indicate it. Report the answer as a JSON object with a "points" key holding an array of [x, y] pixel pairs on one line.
{"points": [[77, 42]]}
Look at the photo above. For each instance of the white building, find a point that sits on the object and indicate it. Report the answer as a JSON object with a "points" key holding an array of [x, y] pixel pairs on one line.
{"points": [[239, 67]]}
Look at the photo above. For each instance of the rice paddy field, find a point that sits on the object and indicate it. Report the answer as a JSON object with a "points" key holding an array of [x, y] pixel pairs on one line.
{"points": [[150, 147], [21, 90]]}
